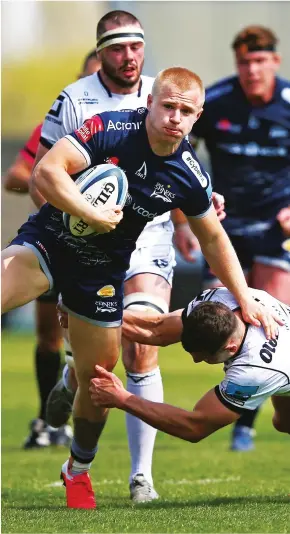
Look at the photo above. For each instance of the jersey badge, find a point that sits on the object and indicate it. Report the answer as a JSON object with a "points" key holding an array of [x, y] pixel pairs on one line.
{"points": [[89, 128], [163, 192], [106, 291], [142, 172]]}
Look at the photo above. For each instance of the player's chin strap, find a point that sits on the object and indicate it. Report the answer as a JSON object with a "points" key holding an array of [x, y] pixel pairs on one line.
{"points": [[145, 302], [134, 301], [124, 34]]}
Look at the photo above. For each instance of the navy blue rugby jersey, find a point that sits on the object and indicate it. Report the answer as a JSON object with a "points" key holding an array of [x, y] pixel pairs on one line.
{"points": [[156, 184], [249, 148]]}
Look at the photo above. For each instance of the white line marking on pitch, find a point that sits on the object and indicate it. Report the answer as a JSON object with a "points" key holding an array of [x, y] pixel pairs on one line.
{"points": [[170, 482]]}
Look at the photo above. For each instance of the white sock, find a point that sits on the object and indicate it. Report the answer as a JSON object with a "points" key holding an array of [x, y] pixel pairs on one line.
{"points": [[141, 436]]}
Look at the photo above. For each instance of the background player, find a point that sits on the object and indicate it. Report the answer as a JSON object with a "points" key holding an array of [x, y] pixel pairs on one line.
{"points": [[246, 128], [47, 359], [212, 330]]}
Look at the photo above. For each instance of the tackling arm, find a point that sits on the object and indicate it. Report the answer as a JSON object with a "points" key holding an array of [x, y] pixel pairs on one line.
{"points": [[158, 330], [208, 415]]}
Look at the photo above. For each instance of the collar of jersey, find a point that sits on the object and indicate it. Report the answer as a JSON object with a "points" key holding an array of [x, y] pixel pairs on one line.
{"points": [[110, 94]]}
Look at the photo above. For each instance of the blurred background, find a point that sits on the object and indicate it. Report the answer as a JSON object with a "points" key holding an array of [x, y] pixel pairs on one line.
{"points": [[44, 43]]}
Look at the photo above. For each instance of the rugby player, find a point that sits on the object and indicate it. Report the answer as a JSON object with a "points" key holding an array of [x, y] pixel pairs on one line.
{"points": [[45, 254], [211, 328], [120, 85], [246, 129], [47, 359]]}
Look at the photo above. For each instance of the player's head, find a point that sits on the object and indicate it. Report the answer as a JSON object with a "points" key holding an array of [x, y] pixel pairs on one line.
{"points": [[175, 104], [120, 45], [257, 61], [211, 333], [90, 64]]}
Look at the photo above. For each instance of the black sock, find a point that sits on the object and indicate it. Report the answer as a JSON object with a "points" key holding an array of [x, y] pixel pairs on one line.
{"points": [[248, 418], [47, 367]]}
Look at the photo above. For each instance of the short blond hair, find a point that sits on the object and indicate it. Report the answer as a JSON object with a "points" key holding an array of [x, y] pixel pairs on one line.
{"points": [[181, 77]]}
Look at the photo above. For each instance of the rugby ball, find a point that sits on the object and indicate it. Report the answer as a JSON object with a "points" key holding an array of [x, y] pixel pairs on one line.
{"points": [[103, 185]]}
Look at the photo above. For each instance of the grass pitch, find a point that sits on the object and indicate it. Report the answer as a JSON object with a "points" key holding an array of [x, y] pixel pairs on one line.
{"points": [[203, 487]]}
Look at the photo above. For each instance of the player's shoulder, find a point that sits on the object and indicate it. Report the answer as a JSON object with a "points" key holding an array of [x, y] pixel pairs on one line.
{"points": [[84, 87], [220, 89]]}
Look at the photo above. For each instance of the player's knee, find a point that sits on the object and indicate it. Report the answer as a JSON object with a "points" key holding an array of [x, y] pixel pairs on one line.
{"points": [[141, 358]]}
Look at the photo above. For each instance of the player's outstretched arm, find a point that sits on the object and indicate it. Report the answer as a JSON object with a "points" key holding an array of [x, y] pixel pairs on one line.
{"points": [[220, 254], [208, 415], [158, 330]]}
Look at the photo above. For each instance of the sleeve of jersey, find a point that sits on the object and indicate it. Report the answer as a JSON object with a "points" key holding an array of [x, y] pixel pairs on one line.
{"points": [[59, 121], [199, 199], [89, 139], [243, 388], [28, 152]]}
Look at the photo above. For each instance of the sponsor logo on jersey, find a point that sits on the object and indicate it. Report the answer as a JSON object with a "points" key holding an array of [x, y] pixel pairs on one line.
{"points": [[143, 212], [141, 110], [226, 126], [90, 128], [109, 307], [253, 149], [163, 192], [278, 131], [268, 349], [195, 168], [123, 125], [142, 172], [237, 393], [106, 291]]}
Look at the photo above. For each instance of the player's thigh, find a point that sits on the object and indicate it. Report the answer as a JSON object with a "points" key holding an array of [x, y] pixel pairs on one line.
{"points": [[273, 279], [48, 330], [281, 418], [91, 345], [21, 277]]}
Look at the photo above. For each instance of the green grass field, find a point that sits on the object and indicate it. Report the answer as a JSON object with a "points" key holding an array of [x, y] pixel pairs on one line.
{"points": [[203, 487]]}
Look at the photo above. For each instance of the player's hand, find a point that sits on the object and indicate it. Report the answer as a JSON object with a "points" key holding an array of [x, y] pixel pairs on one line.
{"points": [[107, 389], [186, 242], [284, 219], [106, 219], [256, 314], [219, 205]]}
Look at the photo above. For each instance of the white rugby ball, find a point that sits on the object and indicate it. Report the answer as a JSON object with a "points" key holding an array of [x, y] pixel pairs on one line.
{"points": [[103, 185]]}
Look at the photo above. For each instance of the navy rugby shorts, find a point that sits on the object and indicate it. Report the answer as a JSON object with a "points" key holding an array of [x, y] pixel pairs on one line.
{"points": [[256, 242], [90, 283]]}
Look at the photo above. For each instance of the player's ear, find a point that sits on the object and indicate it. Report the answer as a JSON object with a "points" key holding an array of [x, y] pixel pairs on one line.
{"points": [[149, 101], [231, 347], [199, 114]]}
